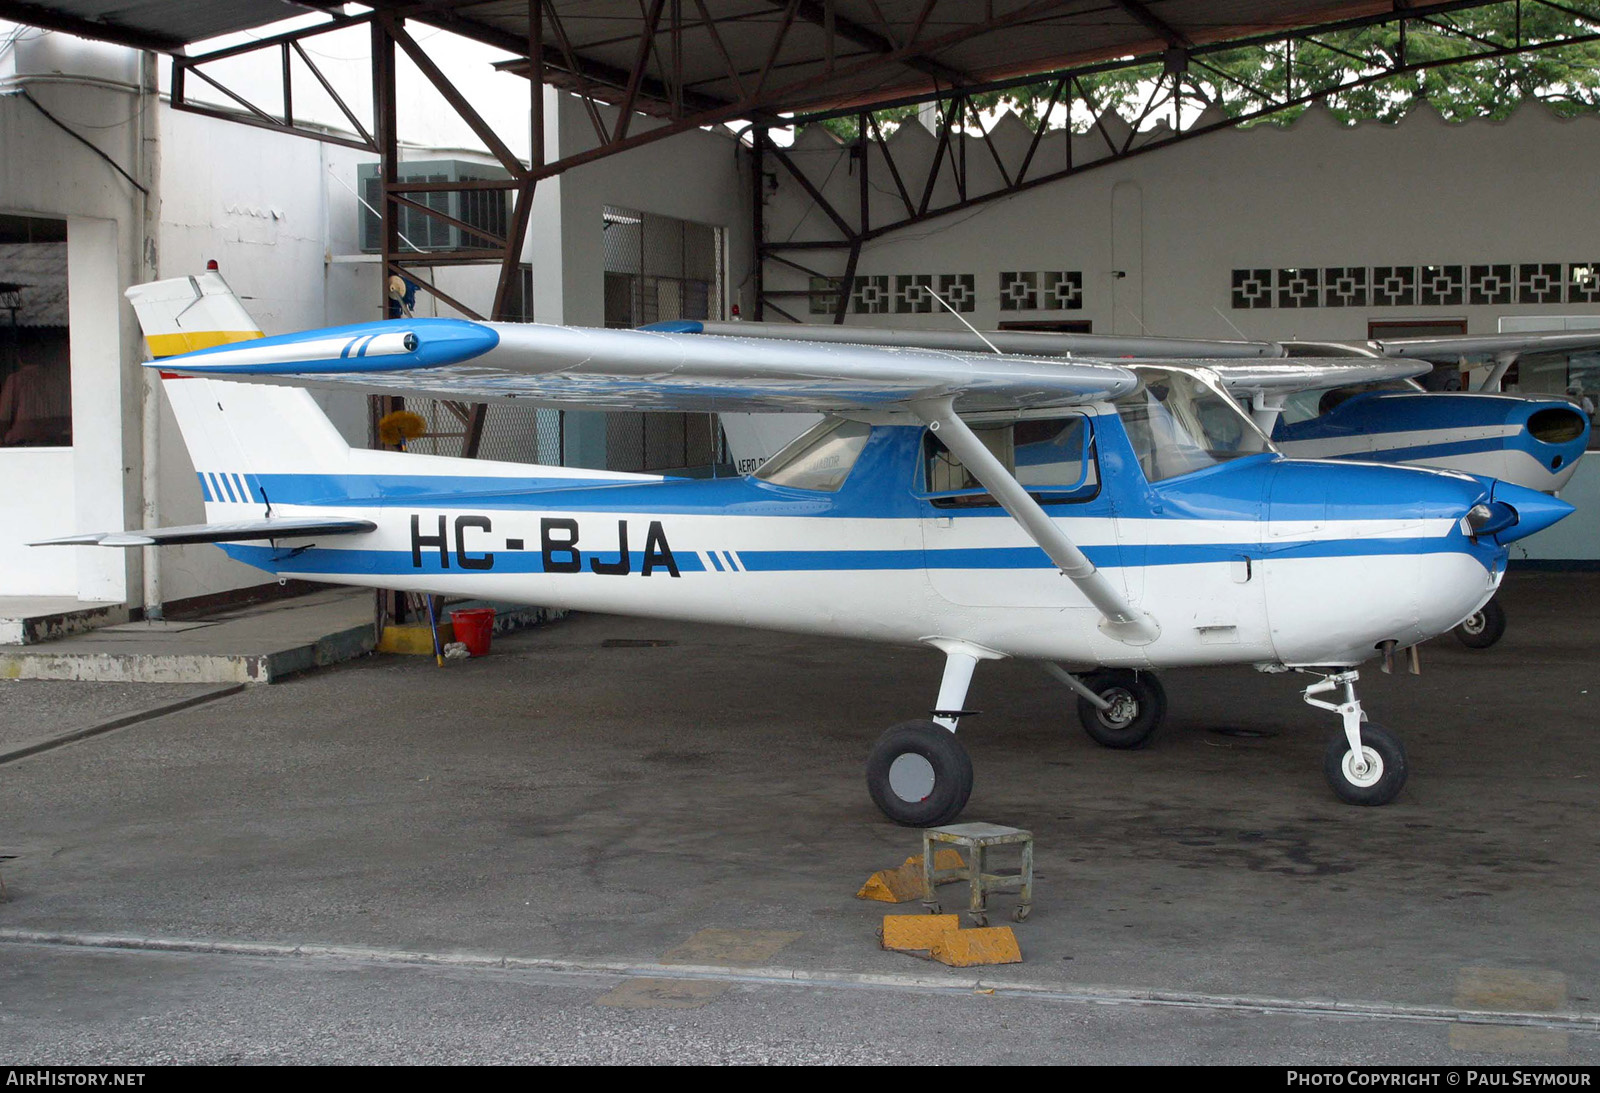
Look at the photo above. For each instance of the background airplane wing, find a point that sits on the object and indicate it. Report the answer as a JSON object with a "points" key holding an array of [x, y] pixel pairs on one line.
{"points": [[1025, 343], [582, 368], [1451, 348]]}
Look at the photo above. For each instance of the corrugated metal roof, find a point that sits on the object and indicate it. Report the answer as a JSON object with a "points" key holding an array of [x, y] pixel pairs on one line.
{"points": [[166, 25], [802, 54], [878, 49]]}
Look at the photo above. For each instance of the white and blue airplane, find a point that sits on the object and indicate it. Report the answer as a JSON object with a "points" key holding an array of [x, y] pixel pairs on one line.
{"points": [[1528, 440], [1103, 518]]}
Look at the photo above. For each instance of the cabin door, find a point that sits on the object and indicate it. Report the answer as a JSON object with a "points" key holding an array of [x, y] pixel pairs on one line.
{"points": [[976, 554]]}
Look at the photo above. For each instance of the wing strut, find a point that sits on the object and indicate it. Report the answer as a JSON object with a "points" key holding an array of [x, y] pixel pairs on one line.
{"points": [[1502, 365], [1120, 619]]}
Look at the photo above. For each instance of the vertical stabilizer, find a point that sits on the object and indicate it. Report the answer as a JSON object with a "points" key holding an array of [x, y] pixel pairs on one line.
{"points": [[236, 433]]}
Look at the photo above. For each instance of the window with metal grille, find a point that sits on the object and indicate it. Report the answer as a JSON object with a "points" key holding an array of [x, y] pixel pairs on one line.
{"points": [[485, 209]]}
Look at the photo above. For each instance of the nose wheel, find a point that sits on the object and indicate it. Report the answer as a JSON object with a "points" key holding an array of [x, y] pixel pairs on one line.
{"points": [[1372, 777], [1483, 627], [1364, 763]]}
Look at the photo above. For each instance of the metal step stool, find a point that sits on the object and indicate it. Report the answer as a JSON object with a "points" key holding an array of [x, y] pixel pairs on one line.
{"points": [[977, 839]]}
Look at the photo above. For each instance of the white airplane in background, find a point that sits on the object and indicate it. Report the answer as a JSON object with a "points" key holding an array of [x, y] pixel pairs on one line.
{"points": [[1104, 518], [1527, 440]]}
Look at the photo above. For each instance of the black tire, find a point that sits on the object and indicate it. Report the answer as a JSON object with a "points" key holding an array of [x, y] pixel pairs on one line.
{"points": [[1378, 786], [1484, 627], [931, 786], [1139, 706]]}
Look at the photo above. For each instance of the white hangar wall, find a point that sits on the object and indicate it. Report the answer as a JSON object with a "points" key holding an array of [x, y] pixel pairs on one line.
{"points": [[280, 217], [263, 207], [45, 173], [694, 176], [1178, 221], [1151, 244]]}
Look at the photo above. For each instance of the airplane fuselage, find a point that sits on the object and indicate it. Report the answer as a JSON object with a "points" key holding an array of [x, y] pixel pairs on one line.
{"points": [[1532, 442], [1255, 560]]}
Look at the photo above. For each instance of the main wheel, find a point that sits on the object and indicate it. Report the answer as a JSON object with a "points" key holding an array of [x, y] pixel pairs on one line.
{"points": [[1138, 706], [1483, 627], [1376, 780], [919, 774]]}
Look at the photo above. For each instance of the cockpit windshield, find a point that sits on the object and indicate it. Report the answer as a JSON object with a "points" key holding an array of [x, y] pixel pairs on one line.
{"points": [[1178, 424]]}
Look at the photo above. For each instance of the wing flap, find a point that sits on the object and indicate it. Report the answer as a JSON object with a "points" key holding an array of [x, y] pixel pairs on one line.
{"points": [[231, 532]]}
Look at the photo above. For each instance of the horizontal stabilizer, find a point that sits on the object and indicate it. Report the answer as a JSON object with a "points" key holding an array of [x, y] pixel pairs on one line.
{"points": [[231, 532]]}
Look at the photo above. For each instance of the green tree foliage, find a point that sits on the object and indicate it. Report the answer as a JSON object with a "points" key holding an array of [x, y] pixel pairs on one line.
{"points": [[1464, 80]]}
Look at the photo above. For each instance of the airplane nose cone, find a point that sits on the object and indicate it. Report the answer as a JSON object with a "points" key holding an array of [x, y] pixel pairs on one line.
{"points": [[1535, 511]]}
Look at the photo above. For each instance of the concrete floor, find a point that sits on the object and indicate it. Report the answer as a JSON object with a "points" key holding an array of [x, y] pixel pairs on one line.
{"points": [[649, 853]]}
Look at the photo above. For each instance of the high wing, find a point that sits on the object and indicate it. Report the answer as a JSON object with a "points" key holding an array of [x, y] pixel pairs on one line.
{"points": [[237, 531], [586, 368]]}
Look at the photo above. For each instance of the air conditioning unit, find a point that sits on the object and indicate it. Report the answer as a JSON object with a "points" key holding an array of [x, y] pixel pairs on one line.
{"points": [[486, 209]]}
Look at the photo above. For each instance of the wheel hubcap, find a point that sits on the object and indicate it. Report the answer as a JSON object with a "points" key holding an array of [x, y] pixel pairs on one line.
{"points": [[911, 777], [1475, 624], [1363, 772], [1122, 711]]}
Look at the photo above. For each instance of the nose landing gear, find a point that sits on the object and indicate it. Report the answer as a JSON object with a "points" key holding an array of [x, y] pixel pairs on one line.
{"points": [[1364, 764], [1483, 627]]}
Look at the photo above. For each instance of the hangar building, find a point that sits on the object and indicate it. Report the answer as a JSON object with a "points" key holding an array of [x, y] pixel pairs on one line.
{"points": [[1307, 230]]}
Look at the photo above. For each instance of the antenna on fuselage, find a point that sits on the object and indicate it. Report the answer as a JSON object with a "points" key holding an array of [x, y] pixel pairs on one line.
{"points": [[976, 332]]}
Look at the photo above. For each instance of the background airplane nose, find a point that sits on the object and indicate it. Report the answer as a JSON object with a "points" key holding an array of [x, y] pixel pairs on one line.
{"points": [[1535, 511]]}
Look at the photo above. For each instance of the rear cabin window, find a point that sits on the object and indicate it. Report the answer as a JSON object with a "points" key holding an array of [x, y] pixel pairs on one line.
{"points": [[820, 458], [1053, 458]]}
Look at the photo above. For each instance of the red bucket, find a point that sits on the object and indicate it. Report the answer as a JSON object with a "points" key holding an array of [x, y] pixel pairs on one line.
{"points": [[473, 626]]}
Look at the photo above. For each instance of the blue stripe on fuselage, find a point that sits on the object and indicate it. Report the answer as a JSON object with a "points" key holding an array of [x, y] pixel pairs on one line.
{"points": [[399, 562], [1432, 451]]}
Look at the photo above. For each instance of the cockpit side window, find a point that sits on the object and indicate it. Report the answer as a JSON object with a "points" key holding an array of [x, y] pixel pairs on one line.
{"points": [[820, 458], [1053, 458], [1177, 425]]}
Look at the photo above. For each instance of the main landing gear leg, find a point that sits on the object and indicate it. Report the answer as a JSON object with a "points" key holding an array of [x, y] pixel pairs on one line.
{"points": [[918, 772], [1364, 764]]}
